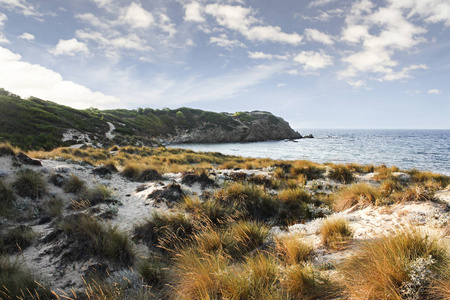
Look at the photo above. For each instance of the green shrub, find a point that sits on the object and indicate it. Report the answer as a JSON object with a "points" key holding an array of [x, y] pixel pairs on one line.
{"points": [[30, 184]]}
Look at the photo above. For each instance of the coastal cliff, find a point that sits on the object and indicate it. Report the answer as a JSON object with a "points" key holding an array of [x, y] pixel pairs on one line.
{"points": [[38, 124]]}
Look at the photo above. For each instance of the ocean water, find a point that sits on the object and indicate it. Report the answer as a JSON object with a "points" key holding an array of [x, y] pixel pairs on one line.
{"points": [[421, 149]]}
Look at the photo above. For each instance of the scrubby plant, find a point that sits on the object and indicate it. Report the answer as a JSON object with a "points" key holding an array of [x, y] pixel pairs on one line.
{"points": [[140, 173], [415, 193], [98, 194], [402, 265], [389, 186], [74, 184], [341, 173], [361, 194], [30, 183], [335, 233], [166, 232], [153, 271], [6, 198]]}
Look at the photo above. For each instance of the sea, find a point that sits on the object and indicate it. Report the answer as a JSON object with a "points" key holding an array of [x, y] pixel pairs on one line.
{"points": [[426, 150]]}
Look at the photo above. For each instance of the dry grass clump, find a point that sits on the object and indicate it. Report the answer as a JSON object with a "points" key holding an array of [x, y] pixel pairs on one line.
{"points": [[7, 150], [424, 177], [384, 173], [415, 193], [292, 250], [16, 239], [17, 282], [293, 206], [166, 232], [335, 233], [74, 184], [403, 265], [246, 236], [389, 187], [153, 271], [341, 173], [102, 240], [309, 169], [361, 194], [30, 183], [6, 198], [249, 200], [140, 173]]}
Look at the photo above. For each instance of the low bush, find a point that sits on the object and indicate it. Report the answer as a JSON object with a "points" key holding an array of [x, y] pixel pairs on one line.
{"points": [[30, 183], [422, 177], [335, 233], [140, 173], [403, 265]]}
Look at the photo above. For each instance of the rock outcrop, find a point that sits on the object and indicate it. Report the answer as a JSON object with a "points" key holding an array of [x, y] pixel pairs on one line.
{"points": [[252, 126]]}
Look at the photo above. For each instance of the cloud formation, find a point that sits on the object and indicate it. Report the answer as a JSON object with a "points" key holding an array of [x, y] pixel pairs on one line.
{"points": [[313, 60], [70, 47], [27, 79]]}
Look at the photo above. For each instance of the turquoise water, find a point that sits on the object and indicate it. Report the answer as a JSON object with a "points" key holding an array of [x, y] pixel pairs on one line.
{"points": [[407, 149]]}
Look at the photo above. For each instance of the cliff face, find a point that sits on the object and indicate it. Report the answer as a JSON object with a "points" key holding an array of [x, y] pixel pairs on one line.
{"points": [[247, 127]]}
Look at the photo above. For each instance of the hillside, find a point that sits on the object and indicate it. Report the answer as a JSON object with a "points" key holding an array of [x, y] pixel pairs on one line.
{"points": [[37, 124]]}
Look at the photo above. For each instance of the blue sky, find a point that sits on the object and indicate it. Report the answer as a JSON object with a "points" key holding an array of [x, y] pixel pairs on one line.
{"points": [[318, 64]]}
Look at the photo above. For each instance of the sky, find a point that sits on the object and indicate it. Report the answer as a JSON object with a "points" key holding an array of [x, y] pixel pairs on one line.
{"points": [[317, 64]]}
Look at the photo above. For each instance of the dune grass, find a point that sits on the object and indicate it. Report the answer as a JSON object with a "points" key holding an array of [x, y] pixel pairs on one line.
{"points": [[403, 265], [341, 173], [335, 233], [30, 183], [361, 194], [74, 184], [6, 198]]}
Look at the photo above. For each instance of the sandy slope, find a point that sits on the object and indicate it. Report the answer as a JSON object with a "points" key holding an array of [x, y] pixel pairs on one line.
{"points": [[136, 206]]}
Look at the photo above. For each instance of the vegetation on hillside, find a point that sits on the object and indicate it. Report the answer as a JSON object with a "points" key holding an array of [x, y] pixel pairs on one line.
{"points": [[34, 124]]}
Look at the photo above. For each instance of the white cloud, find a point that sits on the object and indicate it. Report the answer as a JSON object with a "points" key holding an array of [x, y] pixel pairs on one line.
{"points": [[357, 84], [318, 36], [27, 79], [3, 39], [435, 91], [312, 60], [316, 3], [193, 12], [262, 55], [281, 85], [292, 72], [379, 33], [70, 47], [26, 36], [137, 17], [223, 41], [112, 43], [242, 19], [21, 6], [433, 11]]}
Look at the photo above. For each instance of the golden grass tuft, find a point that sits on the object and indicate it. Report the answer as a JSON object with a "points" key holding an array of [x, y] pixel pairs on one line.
{"points": [[30, 183], [292, 250], [74, 184], [335, 233], [402, 265], [361, 194], [341, 173]]}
